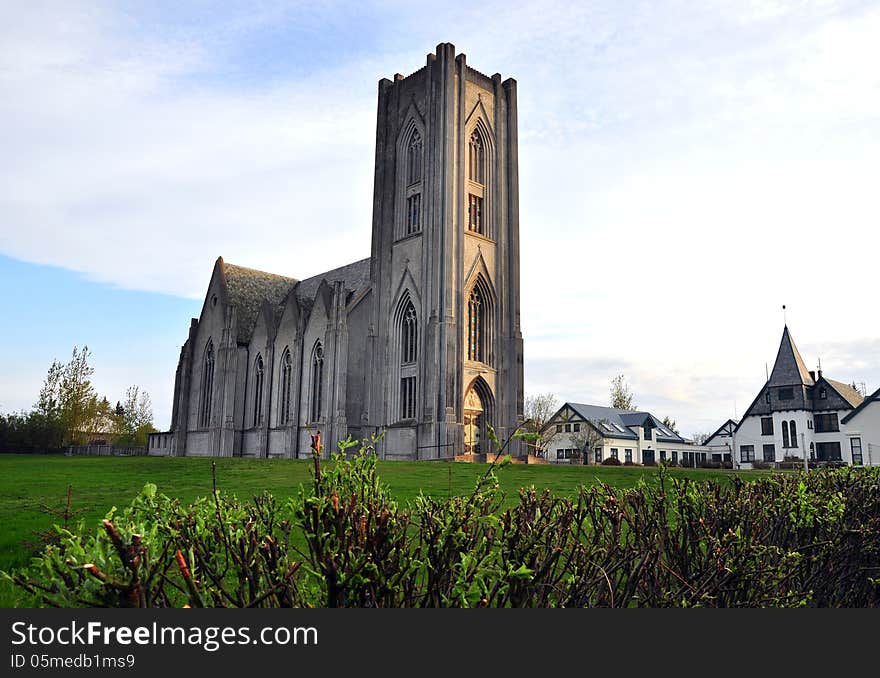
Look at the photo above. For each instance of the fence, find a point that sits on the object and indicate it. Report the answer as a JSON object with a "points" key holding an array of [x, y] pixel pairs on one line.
{"points": [[105, 451]]}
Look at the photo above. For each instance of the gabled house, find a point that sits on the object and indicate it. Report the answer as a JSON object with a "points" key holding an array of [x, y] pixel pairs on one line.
{"points": [[798, 413], [720, 443], [580, 433], [863, 431]]}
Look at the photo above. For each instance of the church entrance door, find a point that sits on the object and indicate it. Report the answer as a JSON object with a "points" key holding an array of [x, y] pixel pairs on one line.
{"points": [[474, 422]]}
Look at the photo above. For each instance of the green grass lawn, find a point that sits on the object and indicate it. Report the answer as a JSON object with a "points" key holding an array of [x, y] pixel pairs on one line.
{"points": [[30, 482]]}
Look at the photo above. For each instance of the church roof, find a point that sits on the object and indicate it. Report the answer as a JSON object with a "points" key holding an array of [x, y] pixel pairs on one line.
{"points": [[789, 368], [355, 275], [247, 288]]}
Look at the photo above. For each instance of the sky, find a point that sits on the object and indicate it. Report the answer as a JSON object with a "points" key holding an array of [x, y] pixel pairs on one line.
{"points": [[685, 170]]}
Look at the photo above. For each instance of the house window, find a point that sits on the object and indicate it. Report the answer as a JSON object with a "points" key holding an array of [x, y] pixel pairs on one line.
{"points": [[769, 452], [786, 394], [809, 424], [823, 394], [647, 456], [286, 371], [785, 434], [662, 455], [766, 426], [568, 428], [674, 457], [614, 453], [792, 426], [414, 213], [828, 451], [258, 391], [826, 423], [767, 397], [207, 385], [648, 435], [559, 428], [475, 214], [599, 455], [408, 398], [628, 456], [577, 428], [317, 389], [747, 453], [856, 447]]}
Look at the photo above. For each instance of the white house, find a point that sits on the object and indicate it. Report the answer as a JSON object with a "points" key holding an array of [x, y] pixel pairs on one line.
{"points": [[721, 443], [603, 432], [863, 431], [797, 414]]}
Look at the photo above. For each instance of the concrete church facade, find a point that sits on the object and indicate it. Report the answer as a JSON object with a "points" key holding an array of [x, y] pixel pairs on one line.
{"points": [[421, 342]]}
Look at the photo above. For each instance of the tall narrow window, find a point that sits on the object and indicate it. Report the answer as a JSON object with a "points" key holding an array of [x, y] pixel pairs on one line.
{"points": [[258, 390], [207, 386], [792, 427], [476, 321], [476, 159], [785, 434], [414, 213], [409, 335], [405, 357], [408, 398], [317, 389], [475, 214], [284, 400], [856, 448], [414, 159]]}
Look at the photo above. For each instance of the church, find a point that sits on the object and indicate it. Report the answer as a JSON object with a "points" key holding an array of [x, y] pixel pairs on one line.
{"points": [[420, 342]]}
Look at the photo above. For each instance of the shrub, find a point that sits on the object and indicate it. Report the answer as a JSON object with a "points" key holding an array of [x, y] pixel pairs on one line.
{"points": [[611, 461], [710, 464], [761, 465]]}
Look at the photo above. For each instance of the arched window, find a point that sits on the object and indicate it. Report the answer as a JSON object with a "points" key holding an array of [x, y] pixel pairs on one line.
{"points": [[412, 171], [785, 434], [793, 428], [284, 399], [258, 390], [476, 325], [414, 159], [476, 158], [409, 335], [317, 386], [207, 386], [406, 350]]}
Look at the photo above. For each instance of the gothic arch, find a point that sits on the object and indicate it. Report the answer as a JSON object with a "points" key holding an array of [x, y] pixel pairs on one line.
{"points": [[480, 323], [478, 413], [316, 383], [405, 349], [206, 396], [410, 176]]}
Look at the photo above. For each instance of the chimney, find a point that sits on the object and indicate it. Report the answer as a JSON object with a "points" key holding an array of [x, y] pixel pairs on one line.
{"points": [[813, 375], [820, 374]]}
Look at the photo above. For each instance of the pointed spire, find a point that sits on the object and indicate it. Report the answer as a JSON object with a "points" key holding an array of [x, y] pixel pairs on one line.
{"points": [[789, 368]]}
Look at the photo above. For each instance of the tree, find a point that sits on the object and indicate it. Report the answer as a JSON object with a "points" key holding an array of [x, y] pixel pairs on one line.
{"points": [[621, 396], [700, 438], [587, 439], [538, 410], [135, 422], [670, 424], [77, 400]]}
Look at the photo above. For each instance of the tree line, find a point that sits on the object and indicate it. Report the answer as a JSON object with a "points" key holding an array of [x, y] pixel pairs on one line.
{"points": [[69, 411]]}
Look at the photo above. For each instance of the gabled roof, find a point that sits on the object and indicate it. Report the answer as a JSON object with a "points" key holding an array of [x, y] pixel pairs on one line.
{"points": [[789, 368], [620, 421], [247, 288], [873, 398], [728, 427], [847, 392]]}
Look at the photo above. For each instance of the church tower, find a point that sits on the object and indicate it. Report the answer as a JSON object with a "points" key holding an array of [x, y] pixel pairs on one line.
{"points": [[444, 345]]}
